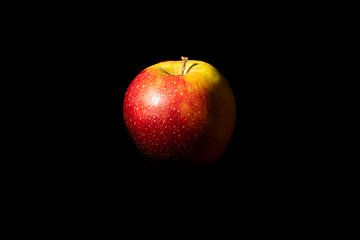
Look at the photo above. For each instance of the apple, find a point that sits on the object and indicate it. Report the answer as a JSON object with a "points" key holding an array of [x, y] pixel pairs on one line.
{"points": [[181, 111]]}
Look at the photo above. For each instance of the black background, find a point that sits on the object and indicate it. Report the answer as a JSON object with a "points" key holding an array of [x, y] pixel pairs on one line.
{"points": [[87, 166]]}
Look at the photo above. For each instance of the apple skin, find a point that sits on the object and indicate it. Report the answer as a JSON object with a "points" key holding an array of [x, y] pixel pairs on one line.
{"points": [[181, 111]]}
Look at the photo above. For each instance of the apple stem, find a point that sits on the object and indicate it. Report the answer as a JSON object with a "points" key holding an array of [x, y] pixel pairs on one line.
{"points": [[184, 60]]}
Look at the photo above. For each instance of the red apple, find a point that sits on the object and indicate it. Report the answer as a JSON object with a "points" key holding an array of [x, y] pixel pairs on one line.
{"points": [[180, 111]]}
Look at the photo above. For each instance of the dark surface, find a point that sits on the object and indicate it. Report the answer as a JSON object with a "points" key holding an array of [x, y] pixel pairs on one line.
{"points": [[262, 169], [88, 165]]}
